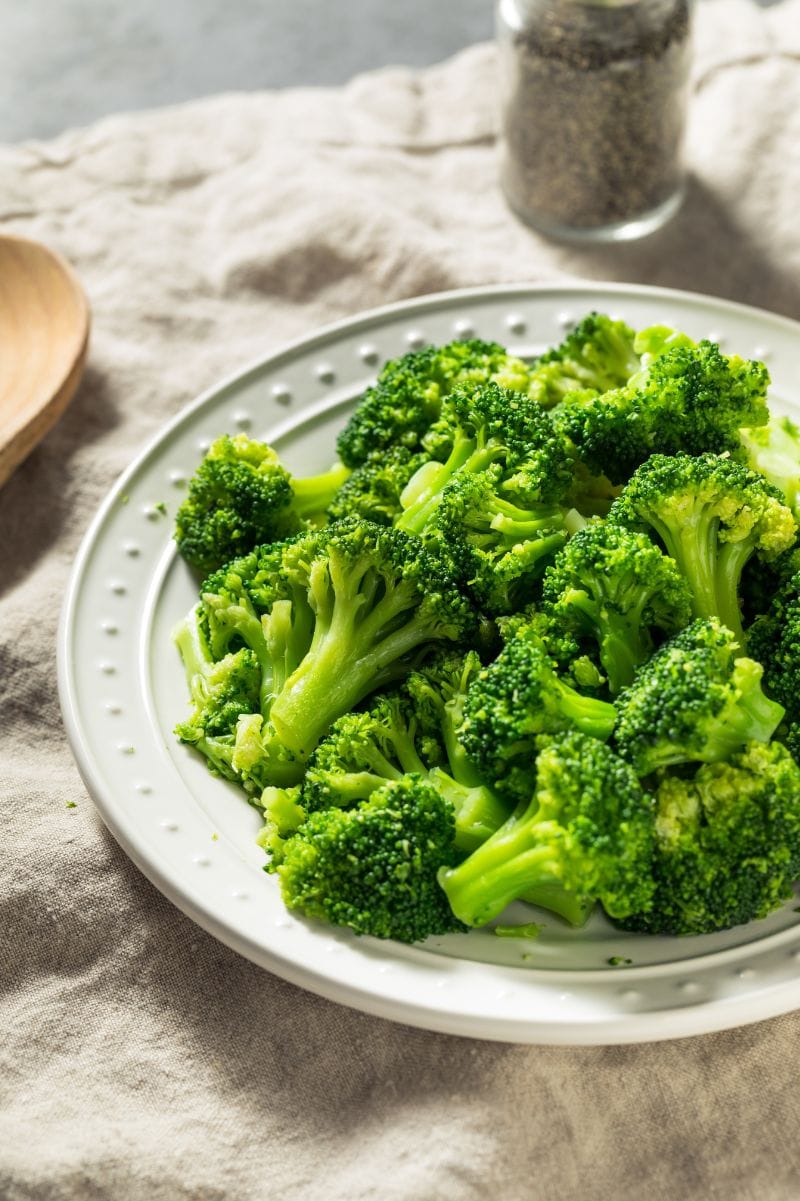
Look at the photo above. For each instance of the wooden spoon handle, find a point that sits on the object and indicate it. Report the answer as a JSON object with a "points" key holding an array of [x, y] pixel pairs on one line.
{"points": [[44, 336]]}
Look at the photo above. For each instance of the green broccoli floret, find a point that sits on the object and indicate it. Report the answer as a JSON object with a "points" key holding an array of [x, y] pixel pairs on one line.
{"points": [[502, 547], [374, 867], [712, 514], [373, 489], [516, 698], [330, 616], [240, 496], [689, 399], [727, 843], [221, 691], [412, 731], [597, 355], [697, 699], [588, 829], [406, 400], [617, 587], [774, 640], [774, 450], [490, 429]]}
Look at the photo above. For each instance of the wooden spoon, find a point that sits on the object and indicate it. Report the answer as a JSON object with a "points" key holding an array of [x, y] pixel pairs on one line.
{"points": [[44, 335]]}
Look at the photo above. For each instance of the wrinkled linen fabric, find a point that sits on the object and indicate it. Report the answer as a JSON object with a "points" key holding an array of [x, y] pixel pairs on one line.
{"points": [[139, 1058]]}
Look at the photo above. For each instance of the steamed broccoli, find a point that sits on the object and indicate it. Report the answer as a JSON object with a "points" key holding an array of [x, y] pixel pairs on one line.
{"points": [[712, 514], [774, 450], [374, 867], [490, 429], [516, 698], [690, 399], [331, 616], [617, 587], [221, 691], [502, 547], [407, 398], [241, 496], [597, 355], [727, 843], [588, 829], [774, 639], [411, 731], [373, 489], [697, 699]]}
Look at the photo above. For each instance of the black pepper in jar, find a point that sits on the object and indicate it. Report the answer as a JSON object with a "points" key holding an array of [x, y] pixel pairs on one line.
{"points": [[593, 108]]}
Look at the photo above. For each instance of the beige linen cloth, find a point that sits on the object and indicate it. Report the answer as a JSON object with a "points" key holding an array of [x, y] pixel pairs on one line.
{"points": [[139, 1058]]}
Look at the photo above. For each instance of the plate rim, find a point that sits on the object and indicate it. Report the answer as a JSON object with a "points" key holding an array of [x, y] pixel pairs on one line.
{"points": [[677, 1021]]}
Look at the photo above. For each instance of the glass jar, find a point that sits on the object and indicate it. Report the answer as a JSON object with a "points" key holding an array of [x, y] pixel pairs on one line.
{"points": [[593, 104]]}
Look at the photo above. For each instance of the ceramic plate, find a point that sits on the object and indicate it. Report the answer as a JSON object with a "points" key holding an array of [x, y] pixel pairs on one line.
{"points": [[122, 691]]}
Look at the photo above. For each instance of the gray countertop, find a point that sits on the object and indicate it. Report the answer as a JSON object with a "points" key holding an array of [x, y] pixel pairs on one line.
{"points": [[67, 62]]}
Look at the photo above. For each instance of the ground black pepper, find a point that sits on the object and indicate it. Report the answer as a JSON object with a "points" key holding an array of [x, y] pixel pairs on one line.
{"points": [[593, 110]]}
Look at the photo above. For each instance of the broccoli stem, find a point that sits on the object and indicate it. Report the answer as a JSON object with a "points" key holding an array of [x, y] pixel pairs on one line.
{"points": [[550, 895], [509, 865], [313, 494], [694, 545], [192, 644], [350, 656], [478, 812], [621, 649], [421, 504], [731, 562], [587, 714]]}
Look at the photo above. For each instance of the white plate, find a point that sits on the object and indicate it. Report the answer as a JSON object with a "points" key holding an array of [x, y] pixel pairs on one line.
{"points": [[122, 691]]}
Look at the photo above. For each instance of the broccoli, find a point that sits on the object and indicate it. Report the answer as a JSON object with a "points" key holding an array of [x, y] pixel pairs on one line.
{"points": [[774, 450], [407, 398], [587, 829], [774, 640], [412, 731], [374, 867], [712, 514], [330, 616], [617, 587], [502, 547], [373, 489], [727, 843], [697, 699], [597, 355], [489, 429], [513, 700], [690, 399], [241, 496], [221, 691]]}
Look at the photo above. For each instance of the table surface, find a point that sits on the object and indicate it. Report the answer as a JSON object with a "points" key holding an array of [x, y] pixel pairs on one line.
{"points": [[104, 56]]}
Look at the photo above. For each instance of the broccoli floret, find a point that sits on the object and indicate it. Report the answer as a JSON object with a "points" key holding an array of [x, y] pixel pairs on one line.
{"points": [[617, 587], [241, 496], [774, 450], [727, 843], [712, 514], [330, 616], [378, 597], [373, 489], [374, 867], [412, 731], [597, 355], [221, 691], [516, 698], [501, 548], [407, 398], [774, 640], [697, 699], [489, 429], [364, 750], [690, 399], [588, 829]]}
